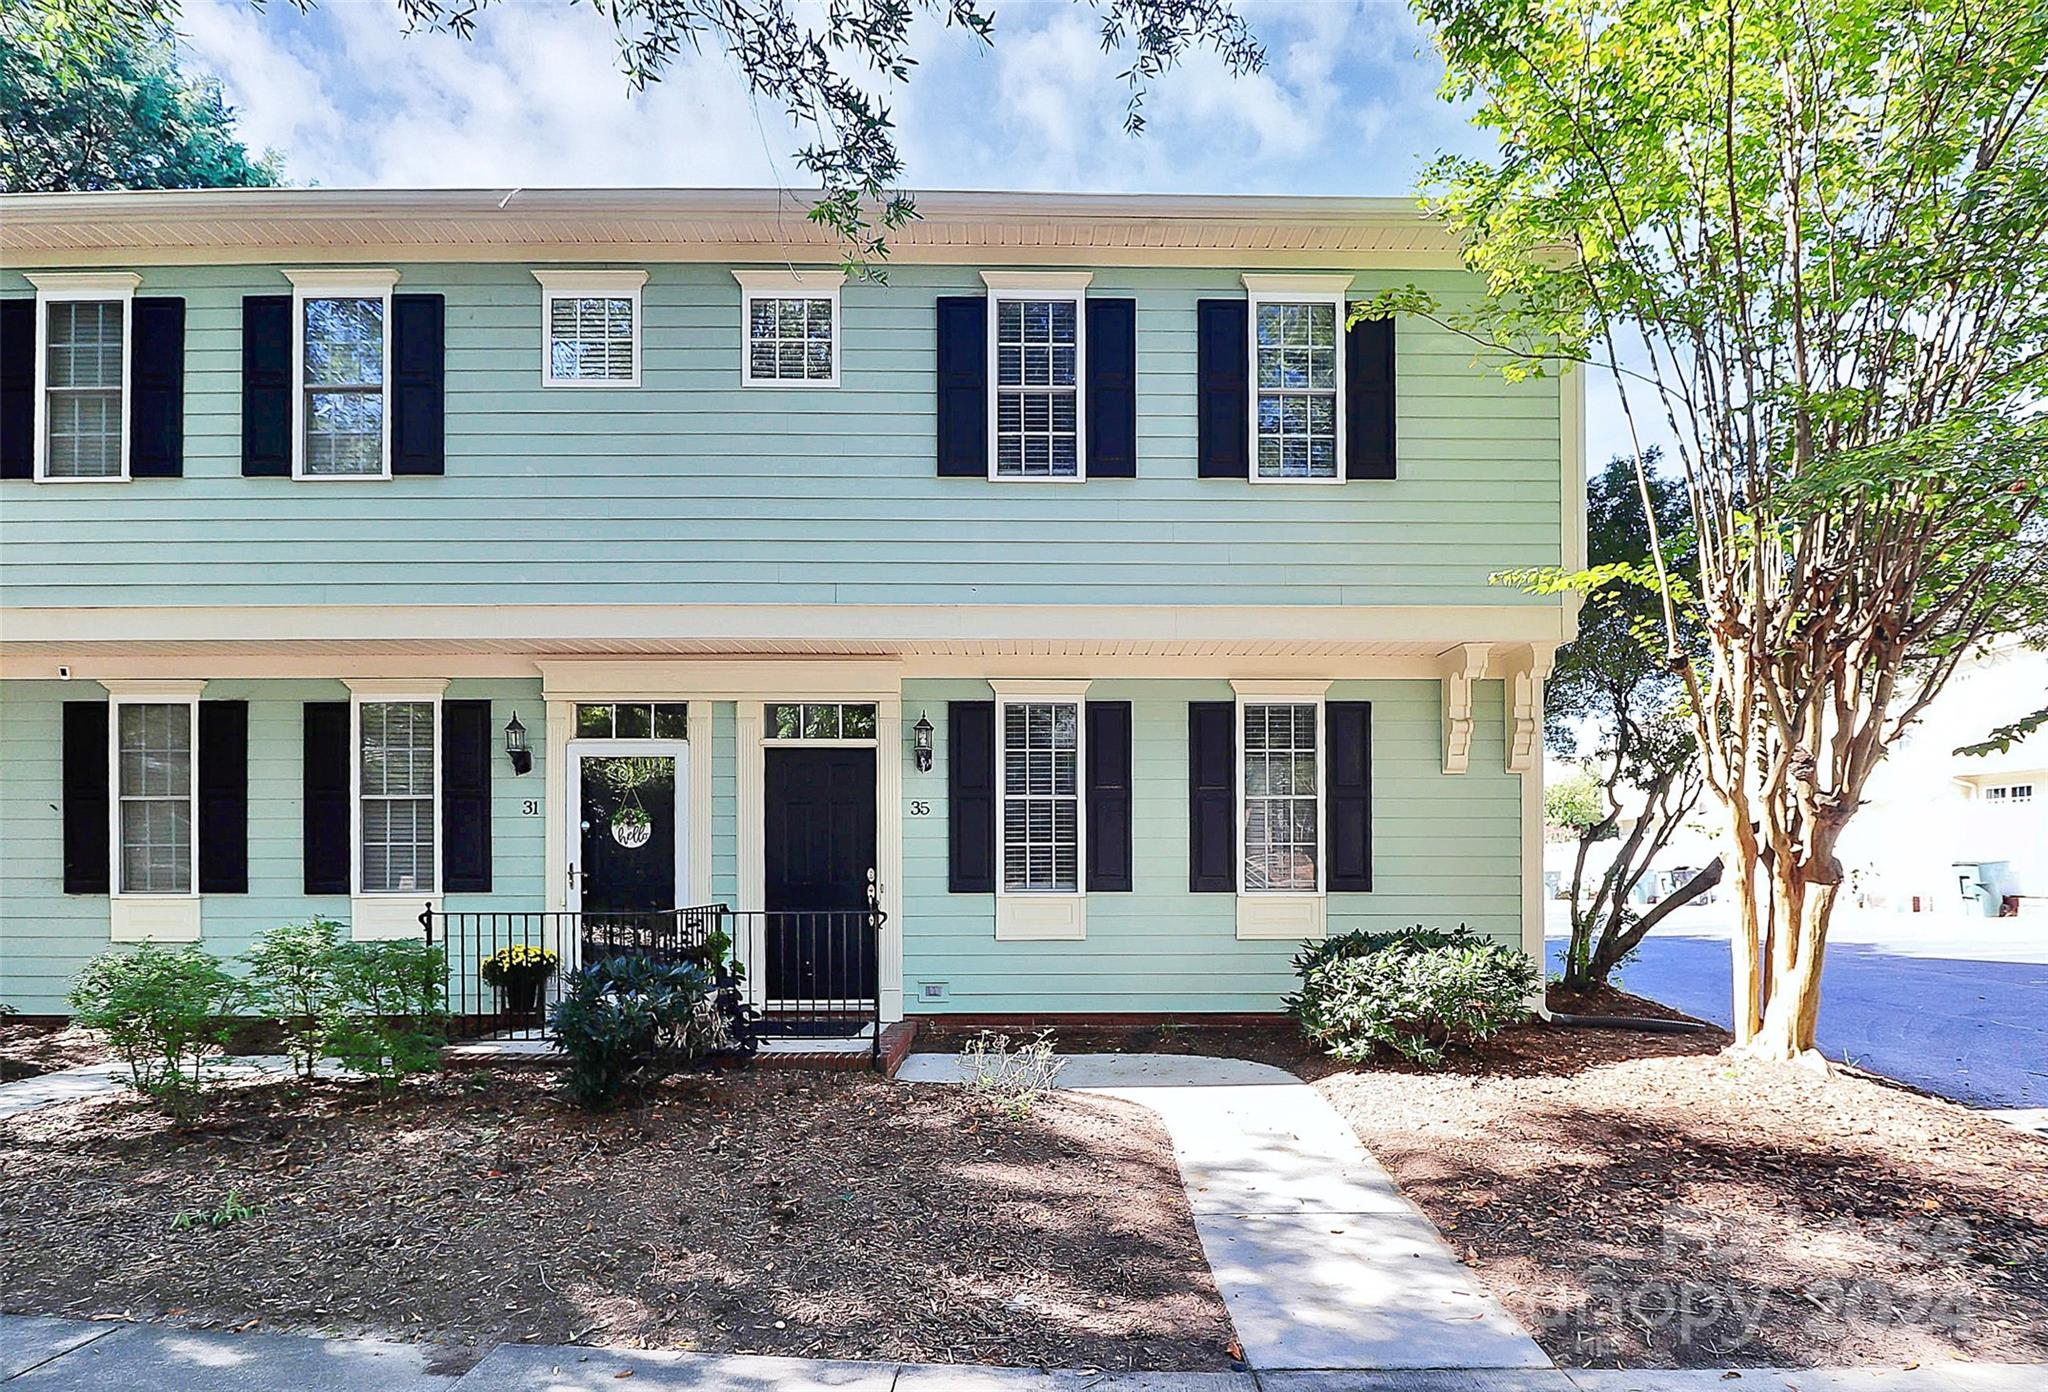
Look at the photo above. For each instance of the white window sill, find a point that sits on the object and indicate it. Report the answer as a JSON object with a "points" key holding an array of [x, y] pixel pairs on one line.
{"points": [[384, 917], [155, 918], [1041, 918], [1274, 917]]}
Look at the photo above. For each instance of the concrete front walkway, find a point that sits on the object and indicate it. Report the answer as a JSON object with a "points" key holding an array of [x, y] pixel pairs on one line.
{"points": [[53, 1355], [105, 1079], [1321, 1261]]}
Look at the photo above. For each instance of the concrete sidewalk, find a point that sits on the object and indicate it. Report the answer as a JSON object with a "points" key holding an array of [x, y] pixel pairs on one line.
{"points": [[1320, 1259], [54, 1355]]}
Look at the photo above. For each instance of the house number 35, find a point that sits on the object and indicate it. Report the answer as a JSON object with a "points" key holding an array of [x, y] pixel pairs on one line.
{"points": [[920, 808]]}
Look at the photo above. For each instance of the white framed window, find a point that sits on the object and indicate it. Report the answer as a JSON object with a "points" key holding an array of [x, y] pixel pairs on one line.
{"points": [[1037, 361], [789, 327], [154, 736], [1040, 816], [2009, 793], [590, 328], [397, 793], [84, 336], [819, 722], [622, 720], [341, 373], [1280, 792], [1295, 339]]}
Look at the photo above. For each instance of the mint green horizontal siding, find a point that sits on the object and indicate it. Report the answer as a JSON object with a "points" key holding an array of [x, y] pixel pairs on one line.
{"points": [[691, 489], [1446, 850], [47, 935]]}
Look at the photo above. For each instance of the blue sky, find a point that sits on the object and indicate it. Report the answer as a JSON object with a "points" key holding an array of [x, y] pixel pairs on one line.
{"points": [[1347, 104]]}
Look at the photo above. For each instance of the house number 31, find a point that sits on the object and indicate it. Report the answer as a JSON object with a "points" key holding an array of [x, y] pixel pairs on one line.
{"points": [[529, 807]]}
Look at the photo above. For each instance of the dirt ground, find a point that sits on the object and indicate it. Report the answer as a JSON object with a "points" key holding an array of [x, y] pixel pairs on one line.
{"points": [[832, 1216], [1638, 1200], [29, 1048]]}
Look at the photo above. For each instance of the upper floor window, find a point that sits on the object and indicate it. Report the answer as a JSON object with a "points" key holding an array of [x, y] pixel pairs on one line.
{"points": [[154, 796], [398, 795], [342, 360], [2009, 793], [790, 322], [1038, 344], [590, 328], [1282, 789], [82, 370], [1297, 373]]}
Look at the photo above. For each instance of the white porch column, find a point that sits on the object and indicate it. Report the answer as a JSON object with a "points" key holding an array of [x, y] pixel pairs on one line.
{"points": [[750, 819], [1522, 697], [889, 753], [701, 732], [560, 821]]}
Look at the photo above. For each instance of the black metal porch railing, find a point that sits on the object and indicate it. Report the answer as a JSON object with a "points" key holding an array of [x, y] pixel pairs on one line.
{"points": [[811, 976]]}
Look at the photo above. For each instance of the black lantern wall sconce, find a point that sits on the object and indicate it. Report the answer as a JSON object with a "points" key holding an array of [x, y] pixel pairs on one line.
{"points": [[515, 747], [921, 742]]}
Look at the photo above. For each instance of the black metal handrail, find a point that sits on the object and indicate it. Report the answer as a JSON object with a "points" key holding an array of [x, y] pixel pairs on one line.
{"points": [[809, 974]]}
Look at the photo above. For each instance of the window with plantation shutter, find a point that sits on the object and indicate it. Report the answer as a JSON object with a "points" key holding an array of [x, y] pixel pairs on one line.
{"points": [[82, 365], [397, 792], [590, 328], [1041, 797], [789, 327]]}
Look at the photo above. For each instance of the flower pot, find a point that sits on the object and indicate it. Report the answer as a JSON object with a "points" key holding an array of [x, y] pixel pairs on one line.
{"points": [[522, 995]]}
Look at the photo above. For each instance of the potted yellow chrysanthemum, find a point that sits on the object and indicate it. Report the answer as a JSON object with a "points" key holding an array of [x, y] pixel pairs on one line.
{"points": [[519, 972]]}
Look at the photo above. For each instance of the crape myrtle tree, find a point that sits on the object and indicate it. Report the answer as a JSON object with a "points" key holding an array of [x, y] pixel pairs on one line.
{"points": [[1806, 244], [819, 60], [1615, 705]]}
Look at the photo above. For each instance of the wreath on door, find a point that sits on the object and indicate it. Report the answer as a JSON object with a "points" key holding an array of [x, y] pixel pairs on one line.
{"points": [[631, 826]]}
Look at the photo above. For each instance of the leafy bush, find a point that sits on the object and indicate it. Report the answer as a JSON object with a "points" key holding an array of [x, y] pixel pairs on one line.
{"points": [[292, 975], [1011, 1079], [394, 1020], [1417, 993], [164, 1012], [626, 1021]]}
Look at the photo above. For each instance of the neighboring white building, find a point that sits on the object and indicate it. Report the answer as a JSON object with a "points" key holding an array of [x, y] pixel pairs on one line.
{"points": [[1951, 833]]}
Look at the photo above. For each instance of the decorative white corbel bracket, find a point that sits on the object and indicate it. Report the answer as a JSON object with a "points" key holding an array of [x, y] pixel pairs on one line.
{"points": [[1528, 669], [1457, 669]]}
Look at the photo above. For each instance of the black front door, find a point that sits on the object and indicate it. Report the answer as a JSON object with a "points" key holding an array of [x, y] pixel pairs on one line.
{"points": [[629, 834], [819, 845]]}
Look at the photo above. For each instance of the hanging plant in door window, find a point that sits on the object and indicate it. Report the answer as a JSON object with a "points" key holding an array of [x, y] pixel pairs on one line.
{"points": [[631, 826]]}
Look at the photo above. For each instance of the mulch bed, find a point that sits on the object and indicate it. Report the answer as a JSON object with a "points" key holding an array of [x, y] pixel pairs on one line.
{"points": [[1640, 1200], [835, 1216], [31, 1048]]}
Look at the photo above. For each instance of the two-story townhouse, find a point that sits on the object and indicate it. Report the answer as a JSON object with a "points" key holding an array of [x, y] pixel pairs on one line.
{"points": [[1086, 581]]}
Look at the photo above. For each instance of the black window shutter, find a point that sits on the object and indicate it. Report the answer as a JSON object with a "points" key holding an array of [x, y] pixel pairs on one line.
{"points": [[971, 796], [466, 797], [327, 791], [963, 386], [1112, 388], [17, 389], [1347, 807], [1212, 797], [87, 869], [1109, 796], [1369, 400], [156, 409], [223, 797], [418, 385], [267, 386], [1222, 388]]}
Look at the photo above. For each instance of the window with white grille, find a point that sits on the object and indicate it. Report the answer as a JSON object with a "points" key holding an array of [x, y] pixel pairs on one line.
{"points": [[2009, 793], [397, 796], [1282, 797], [590, 328], [85, 366], [1040, 780], [790, 339], [154, 792], [1037, 368], [342, 382], [1297, 366]]}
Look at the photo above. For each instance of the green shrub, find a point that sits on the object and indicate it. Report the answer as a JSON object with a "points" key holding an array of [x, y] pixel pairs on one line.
{"points": [[392, 1000], [626, 1021], [292, 978], [1417, 993], [164, 1013]]}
